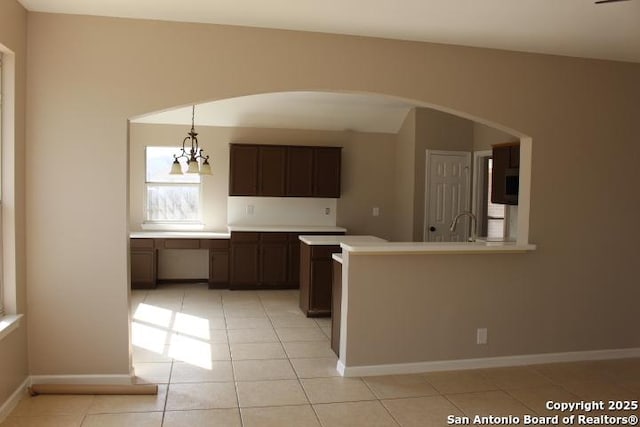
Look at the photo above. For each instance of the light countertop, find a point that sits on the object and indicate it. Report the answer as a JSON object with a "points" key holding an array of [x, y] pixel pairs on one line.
{"points": [[337, 240], [396, 248], [289, 228], [158, 234]]}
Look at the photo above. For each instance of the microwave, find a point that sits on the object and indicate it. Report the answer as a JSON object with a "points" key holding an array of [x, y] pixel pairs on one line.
{"points": [[511, 185]]}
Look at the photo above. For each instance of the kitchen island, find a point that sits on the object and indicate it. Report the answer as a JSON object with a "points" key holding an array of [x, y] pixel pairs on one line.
{"points": [[316, 269]]}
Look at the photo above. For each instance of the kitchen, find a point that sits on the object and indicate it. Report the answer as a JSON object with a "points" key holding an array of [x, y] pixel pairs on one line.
{"points": [[373, 198]]}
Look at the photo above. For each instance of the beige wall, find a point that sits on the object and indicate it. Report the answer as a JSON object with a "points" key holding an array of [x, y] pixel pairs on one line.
{"points": [[435, 130], [13, 348], [423, 129], [485, 136], [404, 184], [88, 75]]}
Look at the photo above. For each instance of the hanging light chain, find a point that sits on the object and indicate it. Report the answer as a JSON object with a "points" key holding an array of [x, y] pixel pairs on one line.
{"points": [[195, 153]]}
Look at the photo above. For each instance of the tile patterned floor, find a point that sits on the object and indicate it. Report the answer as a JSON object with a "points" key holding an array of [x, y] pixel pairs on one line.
{"points": [[251, 359]]}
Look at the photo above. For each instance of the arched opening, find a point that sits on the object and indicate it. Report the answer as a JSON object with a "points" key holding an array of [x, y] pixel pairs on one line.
{"points": [[384, 141]]}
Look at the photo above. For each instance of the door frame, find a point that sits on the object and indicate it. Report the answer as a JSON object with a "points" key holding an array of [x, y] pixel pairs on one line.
{"points": [[428, 154], [475, 200]]}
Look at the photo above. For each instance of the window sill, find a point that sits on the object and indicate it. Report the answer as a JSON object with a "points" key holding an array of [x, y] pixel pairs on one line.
{"points": [[169, 226], [8, 324]]}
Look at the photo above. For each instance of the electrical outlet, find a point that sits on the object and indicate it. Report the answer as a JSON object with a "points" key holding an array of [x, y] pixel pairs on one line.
{"points": [[327, 211], [250, 209], [481, 336], [376, 211]]}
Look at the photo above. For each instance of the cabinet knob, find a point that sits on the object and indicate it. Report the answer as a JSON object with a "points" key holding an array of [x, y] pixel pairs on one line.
{"points": [[432, 228]]}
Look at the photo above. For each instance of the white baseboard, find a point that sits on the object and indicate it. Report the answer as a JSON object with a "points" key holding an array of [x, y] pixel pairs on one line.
{"points": [[82, 379], [13, 400], [488, 362]]}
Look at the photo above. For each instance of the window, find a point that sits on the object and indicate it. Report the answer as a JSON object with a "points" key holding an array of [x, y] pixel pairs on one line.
{"points": [[170, 198]]}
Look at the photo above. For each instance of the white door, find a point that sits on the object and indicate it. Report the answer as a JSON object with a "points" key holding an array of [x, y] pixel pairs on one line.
{"points": [[447, 194]]}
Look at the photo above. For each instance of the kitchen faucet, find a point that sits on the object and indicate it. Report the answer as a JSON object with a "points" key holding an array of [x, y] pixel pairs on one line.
{"points": [[474, 223]]}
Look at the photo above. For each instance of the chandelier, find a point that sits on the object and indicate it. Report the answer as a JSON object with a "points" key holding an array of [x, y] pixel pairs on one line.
{"points": [[197, 162]]}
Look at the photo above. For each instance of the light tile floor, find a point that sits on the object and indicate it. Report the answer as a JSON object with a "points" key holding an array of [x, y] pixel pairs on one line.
{"points": [[251, 359]]}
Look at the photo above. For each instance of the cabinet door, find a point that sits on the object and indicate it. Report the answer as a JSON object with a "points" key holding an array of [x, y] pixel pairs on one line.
{"points": [[300, 171], [244, 264], [321, 278], [274, 248], [243, 170], [218, 268], [272, 170], [514, 156], [326, 171], [506, 159], [501, 157], [273, 263], [143, 269]]}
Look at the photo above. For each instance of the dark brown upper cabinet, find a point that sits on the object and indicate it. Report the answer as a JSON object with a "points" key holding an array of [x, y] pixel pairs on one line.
{"points": [[299, 172], [326, 172], [289, 171], [243, 171], [271, 170], [505, 176]]}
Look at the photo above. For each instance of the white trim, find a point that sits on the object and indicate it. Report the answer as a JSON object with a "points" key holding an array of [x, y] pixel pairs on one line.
{"points": [[476, 171], [428, 154], [341, 368], [82, 379], [8, 324], [489, 362], [13, 400], [524, 190]]}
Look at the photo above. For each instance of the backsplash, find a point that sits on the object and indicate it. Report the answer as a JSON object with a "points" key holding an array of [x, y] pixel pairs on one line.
{"points": [[281, 211]]}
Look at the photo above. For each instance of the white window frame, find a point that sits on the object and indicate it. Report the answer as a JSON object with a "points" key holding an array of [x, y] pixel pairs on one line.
{"points": [[170, 223], [8, 292]]}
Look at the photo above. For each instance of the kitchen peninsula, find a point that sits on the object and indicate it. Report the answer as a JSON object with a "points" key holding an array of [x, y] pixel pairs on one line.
{"points": [[415, 307]]}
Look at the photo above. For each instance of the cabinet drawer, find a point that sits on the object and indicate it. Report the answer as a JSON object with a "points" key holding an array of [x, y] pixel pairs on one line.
{"points": [[141, 243], [214, 243], [274, 237], [244, 236], [181, 244], [324, 251]]}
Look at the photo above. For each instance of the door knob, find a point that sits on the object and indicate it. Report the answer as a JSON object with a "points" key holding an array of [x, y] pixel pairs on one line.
{"points": [[432, 228]]}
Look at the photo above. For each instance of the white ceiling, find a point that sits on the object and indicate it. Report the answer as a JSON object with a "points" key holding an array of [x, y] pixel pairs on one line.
{"points": [[294, 110], [563, 27]]}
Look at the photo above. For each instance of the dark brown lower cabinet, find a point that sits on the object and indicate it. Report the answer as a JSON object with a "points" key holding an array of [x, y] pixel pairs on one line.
{"points": [[274, 259], [315, 279], [143, 264], [245, 259], [218, 262], [336, 305], [261, 260], [144, 259]]}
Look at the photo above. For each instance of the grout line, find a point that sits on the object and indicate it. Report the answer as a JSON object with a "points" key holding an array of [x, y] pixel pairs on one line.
{"points": [[233, 370]]}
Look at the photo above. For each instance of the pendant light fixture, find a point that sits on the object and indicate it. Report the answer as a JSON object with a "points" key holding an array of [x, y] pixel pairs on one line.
{"points": [[194, 156]]}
